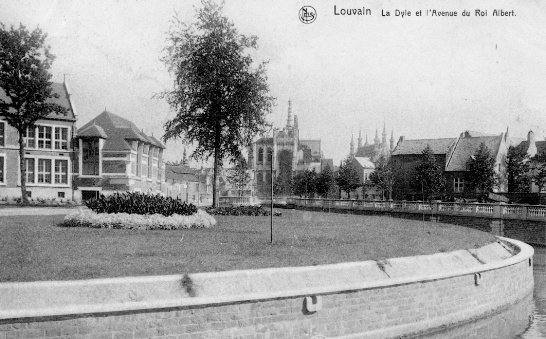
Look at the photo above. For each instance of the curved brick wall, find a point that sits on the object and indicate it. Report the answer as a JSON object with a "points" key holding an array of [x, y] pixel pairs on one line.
{"points": [[391, 298]]}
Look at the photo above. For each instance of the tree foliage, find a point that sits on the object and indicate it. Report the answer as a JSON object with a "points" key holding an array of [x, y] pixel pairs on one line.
{"points": [[220, 96], [325, 182], [480, 175], [537, 170], [305, 183], [347, 177], [238, 175], [25, 61], [517, 168], [382, 177], [429, 176]]}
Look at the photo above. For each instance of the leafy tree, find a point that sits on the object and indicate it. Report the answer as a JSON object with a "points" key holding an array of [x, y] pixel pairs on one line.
{"points": [[219, 96], [517, 168], [238, 175], [537, 170], [325, 182], [25, 61], [480, 175], [347, 177], [429, 176], [382, 177], [305, 183]]}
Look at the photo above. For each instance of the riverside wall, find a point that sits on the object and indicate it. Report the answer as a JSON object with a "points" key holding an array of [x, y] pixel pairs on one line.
{"points": [[373, 299]]}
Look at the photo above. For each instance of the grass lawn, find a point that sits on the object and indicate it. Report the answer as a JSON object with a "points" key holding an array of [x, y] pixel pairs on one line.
{"points": [[35, 248]]}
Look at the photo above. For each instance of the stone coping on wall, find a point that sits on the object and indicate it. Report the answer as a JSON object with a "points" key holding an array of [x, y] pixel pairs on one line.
{"points": [[57, 298]]}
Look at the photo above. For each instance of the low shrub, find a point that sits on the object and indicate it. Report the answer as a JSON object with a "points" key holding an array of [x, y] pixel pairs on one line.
{"points": [[241, 210], [140, 203], [87, 218]]}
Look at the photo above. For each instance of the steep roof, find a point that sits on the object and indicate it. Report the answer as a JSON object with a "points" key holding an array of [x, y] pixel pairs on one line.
{"points": [[62, 100], [364, 162], [180, 173], [439, 146], [93, 131], [467, 146], [366, 151], [118, 132]]}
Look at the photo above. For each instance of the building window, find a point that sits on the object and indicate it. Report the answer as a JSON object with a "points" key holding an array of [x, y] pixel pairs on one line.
{"points": [[44, 137], [90, 157], [2, 133], [61, 138], [60, 195], [2, 171], [260, 155], [259, 178], [44, 171], [458, 185], [150, 163], [269, 155], [30, 170], [29, 137], [61, 171]]}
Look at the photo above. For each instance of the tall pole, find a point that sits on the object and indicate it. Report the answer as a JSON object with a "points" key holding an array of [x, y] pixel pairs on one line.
{"points": [[271, 216]]}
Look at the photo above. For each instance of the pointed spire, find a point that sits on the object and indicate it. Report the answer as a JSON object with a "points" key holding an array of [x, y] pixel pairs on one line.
{"points": [[295, 121], [360, 138], [352, 149], [384, 135], [184, 159], [376, 139], [366, 144], [392, 140], [289, 118]]}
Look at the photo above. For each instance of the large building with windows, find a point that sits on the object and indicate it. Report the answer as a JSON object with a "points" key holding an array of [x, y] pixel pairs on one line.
{"points": [[286, 151], [48, 153], [113, 155]]}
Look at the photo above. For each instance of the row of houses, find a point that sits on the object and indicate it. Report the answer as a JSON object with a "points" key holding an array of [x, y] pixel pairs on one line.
{"points": [[107, 154], [452, 154]]}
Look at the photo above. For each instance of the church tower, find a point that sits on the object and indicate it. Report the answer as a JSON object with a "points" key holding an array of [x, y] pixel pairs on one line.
{"points": [[376, 139], [289, 118]]}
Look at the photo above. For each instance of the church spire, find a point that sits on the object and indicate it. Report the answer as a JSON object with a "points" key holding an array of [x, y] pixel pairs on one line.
{"points": [[392, 140], [352, 149], [184, 159], [366, 144], [376, 139], [384, 135], [360, 138], [289, 118]]}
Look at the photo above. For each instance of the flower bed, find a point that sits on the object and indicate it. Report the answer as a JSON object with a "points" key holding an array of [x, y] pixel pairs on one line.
{"points": [[241, 210], [140, 203], [87, 218]]}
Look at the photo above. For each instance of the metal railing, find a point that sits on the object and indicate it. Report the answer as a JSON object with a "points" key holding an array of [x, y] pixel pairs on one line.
{"points": [[495, 210]]}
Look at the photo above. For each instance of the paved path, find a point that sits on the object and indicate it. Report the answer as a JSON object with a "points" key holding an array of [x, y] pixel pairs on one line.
{"points": [[10, 211]]}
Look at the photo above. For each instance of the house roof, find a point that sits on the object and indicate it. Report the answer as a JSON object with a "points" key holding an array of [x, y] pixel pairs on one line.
{"points": [[366, 151], [541, 145], [466, 147], [92, 131], [118, 131], [182, 173], [63, 100], [364, 162], [439, 146]]}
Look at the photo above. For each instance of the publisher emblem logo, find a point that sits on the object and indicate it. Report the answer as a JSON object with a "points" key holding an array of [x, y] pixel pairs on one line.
{"points": [[307, 14]]}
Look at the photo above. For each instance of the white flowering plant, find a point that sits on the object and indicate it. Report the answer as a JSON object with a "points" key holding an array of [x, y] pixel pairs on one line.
{"points": [[88, 218]]}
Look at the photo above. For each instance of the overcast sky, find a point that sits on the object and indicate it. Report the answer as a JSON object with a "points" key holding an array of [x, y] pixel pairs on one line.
{"points": [[425, 77]]}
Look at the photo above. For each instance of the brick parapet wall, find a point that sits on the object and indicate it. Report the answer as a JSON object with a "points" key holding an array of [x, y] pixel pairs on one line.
{"points": [[357, 300]]}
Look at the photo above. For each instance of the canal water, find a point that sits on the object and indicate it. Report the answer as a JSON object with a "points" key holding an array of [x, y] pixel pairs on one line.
{"points": [[537, 322]]}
